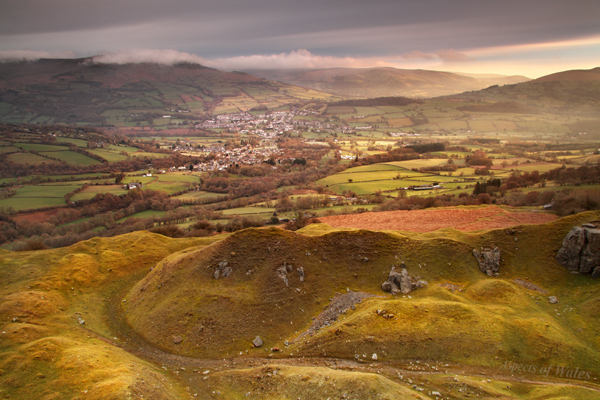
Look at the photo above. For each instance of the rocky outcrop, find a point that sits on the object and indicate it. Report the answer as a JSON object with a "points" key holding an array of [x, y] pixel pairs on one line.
{"points": [[489, 260], [401, 282], [580, 251]]}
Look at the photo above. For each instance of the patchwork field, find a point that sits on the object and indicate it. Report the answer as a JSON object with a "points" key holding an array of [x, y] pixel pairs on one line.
{"points": [[464, 219]]}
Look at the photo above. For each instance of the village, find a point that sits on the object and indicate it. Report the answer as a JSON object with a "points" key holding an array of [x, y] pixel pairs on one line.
{"points": [[273, 124], [265, 128]]}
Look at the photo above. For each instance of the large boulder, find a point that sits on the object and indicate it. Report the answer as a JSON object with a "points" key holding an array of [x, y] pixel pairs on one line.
{"points": [[401, 282], [489, 260], [580, 251], [569, 254]]}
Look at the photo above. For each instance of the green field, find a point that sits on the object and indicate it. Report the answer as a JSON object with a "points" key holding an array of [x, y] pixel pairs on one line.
{"points": [[71, 157], [28, 158], [419, 163], [196, 195], [30, 203], [47, 190], [40, 196], [265, 212], [110, 156], [8, 149], [93, 190], [76, 142], [40, 147], [144, 214]]}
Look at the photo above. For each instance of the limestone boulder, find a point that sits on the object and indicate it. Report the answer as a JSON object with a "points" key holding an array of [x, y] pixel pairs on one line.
{"points": [[580, 250], [401, 282]]}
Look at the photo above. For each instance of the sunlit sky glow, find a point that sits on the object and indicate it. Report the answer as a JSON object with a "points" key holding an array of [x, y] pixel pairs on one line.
{"points": [[531, 38]]}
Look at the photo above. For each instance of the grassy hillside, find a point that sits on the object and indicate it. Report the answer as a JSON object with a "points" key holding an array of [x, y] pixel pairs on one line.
{"points": [[55, 341], [141, 315]]}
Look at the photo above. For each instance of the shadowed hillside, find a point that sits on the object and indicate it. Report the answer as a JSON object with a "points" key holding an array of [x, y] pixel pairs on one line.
{"points": [[573, 93]]}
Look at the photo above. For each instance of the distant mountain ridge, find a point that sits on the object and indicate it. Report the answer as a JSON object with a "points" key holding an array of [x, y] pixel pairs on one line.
{"points": [[81, 91], [384, 81]]}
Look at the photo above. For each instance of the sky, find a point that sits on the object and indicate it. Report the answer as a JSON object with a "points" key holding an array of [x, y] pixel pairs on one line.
{"points": [[524, 37]]}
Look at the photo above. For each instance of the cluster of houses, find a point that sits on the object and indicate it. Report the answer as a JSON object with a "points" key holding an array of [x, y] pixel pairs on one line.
{"points": [[246, 155], [272, 124]]}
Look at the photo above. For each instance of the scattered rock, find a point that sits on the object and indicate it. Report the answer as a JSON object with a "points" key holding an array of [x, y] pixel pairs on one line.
{"points": [[282, 274], [257, 342], [223, 270], [419, 284], [177, 339], [580, 251], [374, 357], [283, 271], [529, 285], [340, 303], [452, 287], [488, 259], [552, 299]]}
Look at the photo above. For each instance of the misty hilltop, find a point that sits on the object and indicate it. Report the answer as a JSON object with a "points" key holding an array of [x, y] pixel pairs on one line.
{"points": [[87, 92]]}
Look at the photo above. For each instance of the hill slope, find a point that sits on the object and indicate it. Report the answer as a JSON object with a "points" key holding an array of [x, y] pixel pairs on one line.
{"points": [[574, 93], [382, 82], [142, 315]]}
